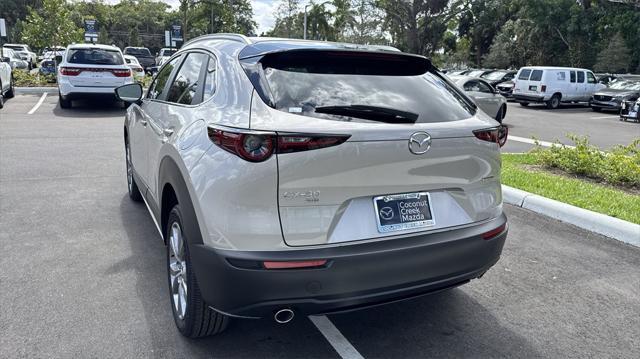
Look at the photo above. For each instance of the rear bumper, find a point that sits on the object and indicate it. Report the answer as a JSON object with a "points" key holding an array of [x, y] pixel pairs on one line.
{"points": [[528, 98], [70, 91], [356, 276]]}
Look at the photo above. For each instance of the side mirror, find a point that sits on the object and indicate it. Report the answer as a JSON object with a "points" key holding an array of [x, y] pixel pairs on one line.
{"points": [[157, 53], [6, 59], [131, 93]]}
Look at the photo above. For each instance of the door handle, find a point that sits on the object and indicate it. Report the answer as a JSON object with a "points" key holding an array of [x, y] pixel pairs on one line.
{"points": [[143, 123], [168, 132]]}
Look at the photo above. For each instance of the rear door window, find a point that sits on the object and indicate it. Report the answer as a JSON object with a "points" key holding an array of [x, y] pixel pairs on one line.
{"points": [[536, 75], [524, 74], [362, 86], [157, 89], [573, 76], [185, 89], [94, 56], [210, 79], [580, 76]]}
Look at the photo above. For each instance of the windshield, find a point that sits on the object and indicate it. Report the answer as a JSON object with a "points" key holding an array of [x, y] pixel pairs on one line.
{"points": [[365, 87], [137, 52], [94, 57], [475, 73], [168, 52], [625, 85], [496, 75]]}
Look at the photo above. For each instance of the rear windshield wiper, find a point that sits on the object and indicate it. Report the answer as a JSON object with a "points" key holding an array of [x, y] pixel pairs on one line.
{"points": [[372, 113]]}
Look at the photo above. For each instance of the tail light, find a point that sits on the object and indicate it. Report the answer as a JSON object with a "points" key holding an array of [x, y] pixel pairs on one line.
{"points": [[543, 88], [121, 72], [258, 146], [495, 134], [70, 71]]}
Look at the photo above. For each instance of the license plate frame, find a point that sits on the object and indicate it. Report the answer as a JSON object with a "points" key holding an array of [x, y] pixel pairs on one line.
{"points": [[392, 212]]}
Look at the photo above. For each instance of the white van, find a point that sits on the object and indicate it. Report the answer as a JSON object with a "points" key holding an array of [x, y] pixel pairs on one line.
{"points": [[553, 85]]}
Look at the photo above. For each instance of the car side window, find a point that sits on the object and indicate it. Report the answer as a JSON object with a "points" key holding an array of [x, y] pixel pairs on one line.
{"points": [[524, 74], [184, 89], [591, 78], [484, 87], [572, 75], [159, 83], [581, 77], [210, 79], [508, 76]]}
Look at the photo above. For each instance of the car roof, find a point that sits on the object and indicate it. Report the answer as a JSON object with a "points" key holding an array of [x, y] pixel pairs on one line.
{"points": [[92, 46], [464, 78], [264, 45], [130, 57], [15, 45], [136, 47], [553, 68]]}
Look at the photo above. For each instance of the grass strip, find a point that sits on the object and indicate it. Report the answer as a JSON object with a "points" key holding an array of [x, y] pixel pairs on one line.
{"points": [[517, 173]]}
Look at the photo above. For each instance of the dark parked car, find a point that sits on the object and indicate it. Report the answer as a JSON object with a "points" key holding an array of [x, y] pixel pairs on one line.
{"points": [[48, 67], [506, 89], [499, 76], [612, 97], [142, 54]]}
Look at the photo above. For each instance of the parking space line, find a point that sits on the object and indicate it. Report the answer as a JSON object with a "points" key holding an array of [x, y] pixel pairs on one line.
{"points": [[35, 108], [335, 338], [533, 142], [603, 117]]}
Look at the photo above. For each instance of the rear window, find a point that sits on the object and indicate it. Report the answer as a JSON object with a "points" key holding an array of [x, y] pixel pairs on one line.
{"points": [[137, 52], [524, 74], [13, 47], [360, 86], [94, 57], [536, 75], [168, 52]]}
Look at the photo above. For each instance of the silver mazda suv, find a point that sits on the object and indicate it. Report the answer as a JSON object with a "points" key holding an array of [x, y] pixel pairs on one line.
{"points": [[295, 177]]}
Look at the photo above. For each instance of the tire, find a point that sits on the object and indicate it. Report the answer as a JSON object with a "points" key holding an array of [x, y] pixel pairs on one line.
{"points": [[524, 104], [554, 102], [64, 103], [596, 109], [132, 186], [193, 317], [11, 92]]}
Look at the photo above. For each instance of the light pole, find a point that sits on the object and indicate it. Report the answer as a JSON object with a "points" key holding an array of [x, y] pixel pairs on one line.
{"points": [[304, 36]]}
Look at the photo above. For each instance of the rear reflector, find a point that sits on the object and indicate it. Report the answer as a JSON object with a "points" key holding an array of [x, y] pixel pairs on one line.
{"points": [[294, 264], [494, 232]]}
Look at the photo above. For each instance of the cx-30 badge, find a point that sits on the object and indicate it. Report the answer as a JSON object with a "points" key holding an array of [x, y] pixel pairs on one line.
{"points": [[419, 143]]}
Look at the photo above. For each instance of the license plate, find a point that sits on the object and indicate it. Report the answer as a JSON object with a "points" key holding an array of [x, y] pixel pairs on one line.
{"points": [[633, 114], [399, 212], [533, 88]]}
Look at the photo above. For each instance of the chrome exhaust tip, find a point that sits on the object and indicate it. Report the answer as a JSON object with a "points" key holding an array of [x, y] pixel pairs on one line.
{"points": [[284, 316]]}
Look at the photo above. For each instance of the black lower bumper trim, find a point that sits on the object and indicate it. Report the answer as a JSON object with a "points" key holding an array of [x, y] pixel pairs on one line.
{"points": [[357, 276]]}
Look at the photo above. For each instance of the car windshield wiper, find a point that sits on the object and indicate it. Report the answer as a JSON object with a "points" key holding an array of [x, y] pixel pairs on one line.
{"points": [[372, 113]]}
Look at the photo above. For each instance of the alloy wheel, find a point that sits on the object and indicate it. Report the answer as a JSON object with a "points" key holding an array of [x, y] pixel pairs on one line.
{"points": [[178, 270]]}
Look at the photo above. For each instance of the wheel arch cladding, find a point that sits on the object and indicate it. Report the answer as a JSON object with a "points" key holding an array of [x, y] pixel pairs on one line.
{"points": [[174, 191]]}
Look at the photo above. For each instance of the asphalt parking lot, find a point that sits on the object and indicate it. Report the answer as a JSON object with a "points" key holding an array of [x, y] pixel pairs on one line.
{"points": [[82, 269]]}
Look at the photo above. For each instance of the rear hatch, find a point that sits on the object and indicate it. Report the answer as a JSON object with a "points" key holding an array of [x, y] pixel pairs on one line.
{"points": [[95, 67], [390, 148], [529, 82]]}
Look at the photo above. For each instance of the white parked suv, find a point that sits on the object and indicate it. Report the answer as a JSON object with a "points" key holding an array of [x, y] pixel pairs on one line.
{"points": [[6, 80], [303, 177], [25, 53], [553, 85], [90, 70]]}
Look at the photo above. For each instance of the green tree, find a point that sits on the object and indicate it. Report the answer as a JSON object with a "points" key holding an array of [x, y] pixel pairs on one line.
{"points": [[51, 25], [615, 58]]}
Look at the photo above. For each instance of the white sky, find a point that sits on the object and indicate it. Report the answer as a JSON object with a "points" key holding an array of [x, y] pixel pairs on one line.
{"points": [[263, 12]]}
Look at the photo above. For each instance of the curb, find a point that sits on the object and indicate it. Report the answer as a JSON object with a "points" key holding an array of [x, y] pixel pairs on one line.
{"points": [[611, 227], [35, 90]]}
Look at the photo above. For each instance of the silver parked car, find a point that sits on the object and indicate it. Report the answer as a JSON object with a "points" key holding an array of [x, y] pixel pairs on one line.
{"points": [[488, 99], [298, 177]]}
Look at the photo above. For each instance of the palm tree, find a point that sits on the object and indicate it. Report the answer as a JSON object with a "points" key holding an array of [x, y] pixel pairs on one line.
{"points": [[318, 25], [344, 17]]}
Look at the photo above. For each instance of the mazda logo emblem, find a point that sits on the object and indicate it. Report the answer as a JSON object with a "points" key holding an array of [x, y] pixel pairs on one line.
{"points": [[419, 143], [386, 213]]}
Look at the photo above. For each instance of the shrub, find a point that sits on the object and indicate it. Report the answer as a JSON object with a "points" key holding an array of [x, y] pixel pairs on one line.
{"points": [[620, 166], [26, 79]]}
